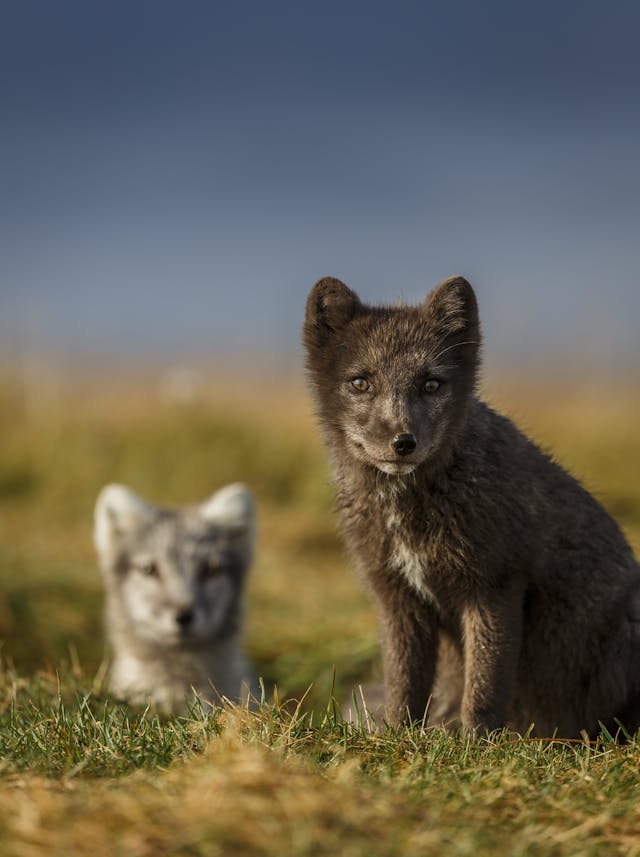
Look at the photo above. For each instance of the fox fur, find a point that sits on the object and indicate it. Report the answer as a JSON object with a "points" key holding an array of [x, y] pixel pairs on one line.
{"points": [[507, 596], [174, 582]]}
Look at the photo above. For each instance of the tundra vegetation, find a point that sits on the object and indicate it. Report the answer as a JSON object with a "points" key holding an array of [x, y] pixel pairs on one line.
{"points": [[80, 773]]}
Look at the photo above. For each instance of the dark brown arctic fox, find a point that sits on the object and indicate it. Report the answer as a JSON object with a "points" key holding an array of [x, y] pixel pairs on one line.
{"points": [[506, 595]]}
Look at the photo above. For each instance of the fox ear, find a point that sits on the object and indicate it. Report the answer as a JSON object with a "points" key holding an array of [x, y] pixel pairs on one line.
{"points": [[452, 310], [118, 510], [233, 508], [330, 306]]}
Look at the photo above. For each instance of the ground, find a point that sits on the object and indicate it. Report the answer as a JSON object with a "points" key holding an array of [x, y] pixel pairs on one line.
{"points": [[80, 773]]}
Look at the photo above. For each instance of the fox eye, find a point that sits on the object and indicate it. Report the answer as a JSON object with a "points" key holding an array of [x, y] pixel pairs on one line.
{"points": [[431, 385], [148, 568], [361, 385]]}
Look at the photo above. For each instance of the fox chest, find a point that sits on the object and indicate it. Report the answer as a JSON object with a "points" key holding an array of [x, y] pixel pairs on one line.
{"points": [[412, 549], [391, 529]]}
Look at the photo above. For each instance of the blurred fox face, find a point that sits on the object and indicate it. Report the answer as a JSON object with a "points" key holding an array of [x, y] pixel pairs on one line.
{"points": [[180, 585], [176, 576], [392, 384]]}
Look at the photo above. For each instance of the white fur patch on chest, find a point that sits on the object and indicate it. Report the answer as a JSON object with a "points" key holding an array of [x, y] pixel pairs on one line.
{"points": [[410, 565], [404, 558]]}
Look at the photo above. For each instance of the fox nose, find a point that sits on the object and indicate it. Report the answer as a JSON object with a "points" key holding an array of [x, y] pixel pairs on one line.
{"points": [[404, 444], [184, 617]]}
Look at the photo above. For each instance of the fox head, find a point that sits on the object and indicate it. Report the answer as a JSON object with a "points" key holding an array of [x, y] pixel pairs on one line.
{"points": [[174, 577], [392, 384]]}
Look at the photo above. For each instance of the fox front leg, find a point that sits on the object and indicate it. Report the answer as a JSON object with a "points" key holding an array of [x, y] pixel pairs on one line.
{"points": [[409, 640], [492, 630]]}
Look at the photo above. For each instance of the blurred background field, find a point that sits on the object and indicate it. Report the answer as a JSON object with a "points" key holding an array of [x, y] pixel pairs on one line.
{"points": [[176, 436], [174, 179], [174, 440]]}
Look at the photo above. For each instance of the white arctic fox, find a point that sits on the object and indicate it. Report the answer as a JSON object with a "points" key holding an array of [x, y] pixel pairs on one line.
{"points": [[174, 582]]}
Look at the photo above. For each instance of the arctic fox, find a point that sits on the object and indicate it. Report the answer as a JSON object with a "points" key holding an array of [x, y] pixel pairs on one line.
{"points": [[174, 581], [506, 595]]}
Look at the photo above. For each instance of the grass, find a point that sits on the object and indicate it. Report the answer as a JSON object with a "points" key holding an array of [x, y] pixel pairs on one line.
{"points": [[82, 774]]}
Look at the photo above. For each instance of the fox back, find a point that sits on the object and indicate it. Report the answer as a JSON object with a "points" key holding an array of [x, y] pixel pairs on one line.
{"points": [[174, 584]]}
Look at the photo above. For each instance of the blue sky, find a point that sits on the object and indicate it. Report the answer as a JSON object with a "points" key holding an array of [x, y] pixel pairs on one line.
{"points": [[175, 176]]}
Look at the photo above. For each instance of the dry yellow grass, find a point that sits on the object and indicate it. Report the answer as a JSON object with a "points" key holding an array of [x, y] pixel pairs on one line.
{"points": [[244, 795]]}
